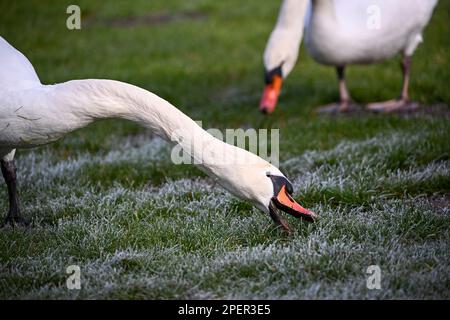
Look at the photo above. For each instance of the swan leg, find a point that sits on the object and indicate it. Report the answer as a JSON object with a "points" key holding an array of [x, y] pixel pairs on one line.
{"points": [[9, 173], [402, 103], [345, 103]]}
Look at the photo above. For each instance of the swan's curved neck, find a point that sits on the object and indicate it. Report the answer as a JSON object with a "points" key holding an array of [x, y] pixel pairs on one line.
{"points": [[85, 101], [99, 99], [292, 15], [50, 112]]}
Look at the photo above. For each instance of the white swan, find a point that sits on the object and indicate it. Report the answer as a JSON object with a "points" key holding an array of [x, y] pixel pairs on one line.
{"points": [[33, 114], [344, 32]]}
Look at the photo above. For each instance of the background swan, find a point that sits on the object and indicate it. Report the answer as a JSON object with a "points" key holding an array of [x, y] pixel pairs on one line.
{"points": [[343, 32], [32, 114]]}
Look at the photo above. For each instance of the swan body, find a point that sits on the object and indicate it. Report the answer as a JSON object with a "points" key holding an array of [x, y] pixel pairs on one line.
{"points": [[340, 33], [33, 114], [344, 32]]}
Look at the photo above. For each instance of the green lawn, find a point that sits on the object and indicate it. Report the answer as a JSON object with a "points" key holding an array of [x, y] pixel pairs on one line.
{"points": [[108, 198]]}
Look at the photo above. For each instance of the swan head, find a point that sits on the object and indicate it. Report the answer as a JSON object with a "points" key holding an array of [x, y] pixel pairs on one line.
{"points": [[273, 80], [269, 190], [280, 57]]}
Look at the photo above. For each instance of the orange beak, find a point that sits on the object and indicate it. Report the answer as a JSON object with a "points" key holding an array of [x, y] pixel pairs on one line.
{"points": [[270, 95], [286, 203]]}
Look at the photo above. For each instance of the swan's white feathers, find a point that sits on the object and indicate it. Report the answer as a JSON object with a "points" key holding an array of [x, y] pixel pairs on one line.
{"points": [[16, 71], [337, 31]]}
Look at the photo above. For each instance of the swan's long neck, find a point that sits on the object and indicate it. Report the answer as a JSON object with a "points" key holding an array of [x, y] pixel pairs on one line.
{"points": [[49, 112], [99, 99], [292, 15], [89, 100], [284, 41]]}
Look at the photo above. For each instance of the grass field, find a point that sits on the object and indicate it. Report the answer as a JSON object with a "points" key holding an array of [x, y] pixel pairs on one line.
{"points": [[108, 198]]}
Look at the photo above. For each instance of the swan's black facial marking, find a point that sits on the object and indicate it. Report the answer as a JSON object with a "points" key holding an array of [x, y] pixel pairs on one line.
{"points": [[269, 75], [282, 199], [279, 182]]}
